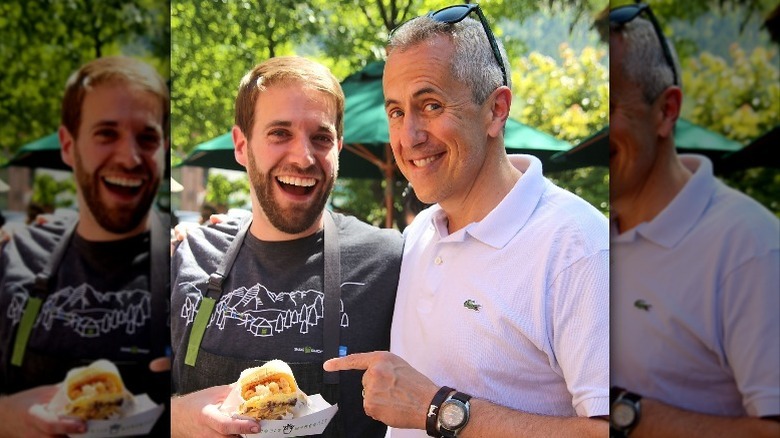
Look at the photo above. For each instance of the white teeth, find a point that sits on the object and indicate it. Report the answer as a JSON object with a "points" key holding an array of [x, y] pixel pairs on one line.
{"points": [[296, 181], [423, 162], [124, 182]]}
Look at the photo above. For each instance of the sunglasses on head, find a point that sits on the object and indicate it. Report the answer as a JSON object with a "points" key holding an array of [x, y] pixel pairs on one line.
{"points": [[456, 14], [625, 14]]}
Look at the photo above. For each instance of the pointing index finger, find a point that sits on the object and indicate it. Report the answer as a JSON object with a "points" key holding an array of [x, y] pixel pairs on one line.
{"points": [[357, 361]]}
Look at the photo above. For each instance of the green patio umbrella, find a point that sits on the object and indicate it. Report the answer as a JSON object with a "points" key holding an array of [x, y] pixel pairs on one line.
{"points": [[689, 138], [756, 154], [44, 152]]}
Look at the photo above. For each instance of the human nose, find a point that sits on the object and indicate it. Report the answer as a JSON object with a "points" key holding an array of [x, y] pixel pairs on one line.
{"points": [[128, 152], [411, 131], [301, 153]]}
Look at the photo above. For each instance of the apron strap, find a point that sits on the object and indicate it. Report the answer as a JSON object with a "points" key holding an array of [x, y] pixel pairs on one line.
{"points": [[39, 291], [159, 281], [213, 293], [332, 304]]}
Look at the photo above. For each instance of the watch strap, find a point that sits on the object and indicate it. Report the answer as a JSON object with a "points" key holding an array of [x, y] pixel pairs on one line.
{"points": [[617, 395], [463, 398], [432, 418]]}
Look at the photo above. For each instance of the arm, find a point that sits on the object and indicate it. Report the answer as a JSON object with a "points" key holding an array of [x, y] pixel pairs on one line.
{"points": [[198, 414], [398, 395], [659, 419], [23, 414]]}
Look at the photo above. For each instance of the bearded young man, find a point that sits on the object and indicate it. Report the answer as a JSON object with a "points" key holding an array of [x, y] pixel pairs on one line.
{"points": [[270, 285], [95, 285]]}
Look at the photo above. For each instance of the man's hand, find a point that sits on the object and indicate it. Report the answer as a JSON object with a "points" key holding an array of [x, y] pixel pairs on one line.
{"points": [[181, 230], [24, 414], [197, 415], [395, 393], [160, 365]]}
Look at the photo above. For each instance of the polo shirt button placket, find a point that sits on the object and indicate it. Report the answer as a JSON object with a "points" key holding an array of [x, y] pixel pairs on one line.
{"points": [[438, 260]]}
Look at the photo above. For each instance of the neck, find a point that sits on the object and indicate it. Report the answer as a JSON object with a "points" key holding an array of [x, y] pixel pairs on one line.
{"points": [[666, 179], [89, 229], [494, 181], [262, 228]]}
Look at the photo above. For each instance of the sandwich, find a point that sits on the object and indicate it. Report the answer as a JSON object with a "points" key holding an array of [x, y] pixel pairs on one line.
{"points": [[96, 392], [269, 392]]}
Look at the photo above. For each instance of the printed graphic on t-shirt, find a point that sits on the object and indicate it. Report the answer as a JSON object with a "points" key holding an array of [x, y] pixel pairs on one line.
{"points": [[263, 312], [89, 313]]}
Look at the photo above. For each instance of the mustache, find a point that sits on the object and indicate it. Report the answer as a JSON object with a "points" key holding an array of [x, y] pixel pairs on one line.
{"points": [[312, 171], [139, 170]]}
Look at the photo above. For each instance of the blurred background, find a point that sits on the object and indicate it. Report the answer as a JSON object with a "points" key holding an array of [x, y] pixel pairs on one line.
{"points": [[41, 44], [560, 82]]}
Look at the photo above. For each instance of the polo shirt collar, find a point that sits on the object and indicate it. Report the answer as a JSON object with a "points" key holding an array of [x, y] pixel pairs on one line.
{"points": [[675, 221], [510, 215]]}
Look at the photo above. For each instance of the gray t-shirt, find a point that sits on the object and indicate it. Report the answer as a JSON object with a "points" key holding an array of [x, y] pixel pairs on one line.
{"points": [[98, 304], [271, 303]]}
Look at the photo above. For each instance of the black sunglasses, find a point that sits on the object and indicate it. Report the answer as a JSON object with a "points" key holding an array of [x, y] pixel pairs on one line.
{"points": [[624, 14], [456, 14]]}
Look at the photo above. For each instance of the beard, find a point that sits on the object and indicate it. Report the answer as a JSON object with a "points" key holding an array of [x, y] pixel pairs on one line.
{"points": [[296, 218], [121, 218]]}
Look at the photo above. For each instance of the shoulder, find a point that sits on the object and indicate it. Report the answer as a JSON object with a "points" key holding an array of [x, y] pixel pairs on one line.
{"points": [[741, 220], [357, 234], [206, 245], [561, 212]]}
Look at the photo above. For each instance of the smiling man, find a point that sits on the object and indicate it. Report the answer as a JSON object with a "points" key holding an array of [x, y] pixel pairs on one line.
{"points": [[500, 326], [293, 281], [94, 285]]}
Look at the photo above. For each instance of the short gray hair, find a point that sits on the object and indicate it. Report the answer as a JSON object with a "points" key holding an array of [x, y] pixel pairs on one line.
{"points": [[473, 61], [644, 61]]}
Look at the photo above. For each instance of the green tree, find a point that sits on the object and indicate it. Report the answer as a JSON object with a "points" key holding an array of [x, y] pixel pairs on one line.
{"points": [[224, 193], [50, 193], [43, 42]]}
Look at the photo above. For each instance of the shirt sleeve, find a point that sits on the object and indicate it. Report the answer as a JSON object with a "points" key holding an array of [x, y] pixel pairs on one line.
{"points": [[580, 312], [750, 299]]}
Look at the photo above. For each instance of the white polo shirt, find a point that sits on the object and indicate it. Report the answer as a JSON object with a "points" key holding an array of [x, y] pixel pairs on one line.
{"points": [[515, 308], [695, 302]]}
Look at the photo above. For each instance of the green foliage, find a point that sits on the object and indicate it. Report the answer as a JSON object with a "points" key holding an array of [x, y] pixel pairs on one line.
{"points": [[224, 193], [48, 192], [738, 97], [43, 42], [570, 100]]}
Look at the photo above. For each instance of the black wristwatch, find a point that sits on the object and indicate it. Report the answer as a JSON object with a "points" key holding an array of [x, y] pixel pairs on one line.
{"points": [[432, 417], [624, 412], [454, 415]]}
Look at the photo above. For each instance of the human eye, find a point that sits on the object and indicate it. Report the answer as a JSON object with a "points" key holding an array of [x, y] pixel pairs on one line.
{"points": [[278, 135], [323, 139], [106, 135], [149, 141], [394, 113], [432, 106]]}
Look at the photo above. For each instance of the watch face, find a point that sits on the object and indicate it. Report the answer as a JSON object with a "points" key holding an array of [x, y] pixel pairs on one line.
{"points": [[623, 415], [451, 415]]}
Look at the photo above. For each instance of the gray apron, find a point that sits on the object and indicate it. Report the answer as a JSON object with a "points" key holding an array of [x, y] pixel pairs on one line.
{"points": [[32, 367], [203, 369]]}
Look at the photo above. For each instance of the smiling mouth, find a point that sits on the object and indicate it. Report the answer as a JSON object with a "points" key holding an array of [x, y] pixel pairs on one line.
{"points": [[123, 185], [427, 160], [296, 185]]}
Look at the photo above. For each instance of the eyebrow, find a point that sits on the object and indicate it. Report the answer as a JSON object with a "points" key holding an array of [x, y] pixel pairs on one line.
{"points": [[418, 93], [288, 124], [114, 124]]}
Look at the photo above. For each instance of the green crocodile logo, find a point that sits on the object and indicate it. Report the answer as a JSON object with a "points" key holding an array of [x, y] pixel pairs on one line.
{"points": [[642, 304], [472, 305]]}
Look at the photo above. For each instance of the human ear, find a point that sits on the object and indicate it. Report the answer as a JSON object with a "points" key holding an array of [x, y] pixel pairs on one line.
{"points": [[67, 145], [501, 101], [240, 144]]}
